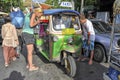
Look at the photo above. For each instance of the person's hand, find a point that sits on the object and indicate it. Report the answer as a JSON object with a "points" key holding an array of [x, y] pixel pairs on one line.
{"points": [[38, 21], [79, 32]]}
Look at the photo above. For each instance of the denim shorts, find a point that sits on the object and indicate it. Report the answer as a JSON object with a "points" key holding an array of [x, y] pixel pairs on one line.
{"points": [[28, 38], [90, 46]]}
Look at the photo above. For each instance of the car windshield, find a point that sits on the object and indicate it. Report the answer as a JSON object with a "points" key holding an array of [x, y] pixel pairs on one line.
{"points": [[61, 22]]}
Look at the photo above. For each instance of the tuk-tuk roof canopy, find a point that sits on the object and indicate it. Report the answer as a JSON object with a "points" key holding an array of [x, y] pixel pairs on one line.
{"points": [[55, 11]]}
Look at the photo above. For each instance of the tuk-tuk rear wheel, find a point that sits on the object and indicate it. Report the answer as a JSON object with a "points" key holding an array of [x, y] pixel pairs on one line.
{"points": [[71, 66]]}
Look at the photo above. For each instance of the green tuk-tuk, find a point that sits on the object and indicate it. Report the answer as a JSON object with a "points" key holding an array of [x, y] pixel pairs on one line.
{"points": [[58, 37]]}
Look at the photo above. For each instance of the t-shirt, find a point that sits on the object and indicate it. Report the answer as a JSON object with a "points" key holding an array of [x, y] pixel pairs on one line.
{"points": [[88, 27], [26, 27]]}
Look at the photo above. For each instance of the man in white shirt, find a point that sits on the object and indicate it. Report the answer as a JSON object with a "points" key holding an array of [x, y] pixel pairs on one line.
{"points": [[88, 36]]}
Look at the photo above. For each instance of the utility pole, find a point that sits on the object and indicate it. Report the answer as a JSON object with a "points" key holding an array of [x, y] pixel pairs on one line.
{"points": [[82, 4], [73, 5]]}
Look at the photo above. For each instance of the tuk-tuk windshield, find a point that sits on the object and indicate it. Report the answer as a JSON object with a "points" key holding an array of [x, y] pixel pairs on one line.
{"points": [[61, 22]]}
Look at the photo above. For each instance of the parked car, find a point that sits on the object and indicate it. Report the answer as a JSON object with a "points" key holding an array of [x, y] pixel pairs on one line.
{"points": [[1, 23], [102, 40]]}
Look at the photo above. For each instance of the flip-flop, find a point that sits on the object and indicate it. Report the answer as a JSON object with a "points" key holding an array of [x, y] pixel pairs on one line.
{"points": [[34, 68], [28, 66], [78, 59], [83, 59]]}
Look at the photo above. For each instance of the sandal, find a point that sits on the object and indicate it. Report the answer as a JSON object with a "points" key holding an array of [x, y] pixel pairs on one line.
{"points": [[83, 59], [27, 66], [6, 65], [34, 68]]}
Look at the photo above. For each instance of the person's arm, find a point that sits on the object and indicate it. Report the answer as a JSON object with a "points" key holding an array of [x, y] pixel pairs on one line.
{"points": [[88, 37], [33, 22], [89, 32]]}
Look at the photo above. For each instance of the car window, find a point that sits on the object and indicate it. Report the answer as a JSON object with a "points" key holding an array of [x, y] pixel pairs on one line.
{"points": [[105, 26]]}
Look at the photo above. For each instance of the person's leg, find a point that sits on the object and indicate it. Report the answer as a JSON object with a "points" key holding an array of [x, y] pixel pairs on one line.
{"points": [[5, 54], [13, 54], [30, 49], [81, 51], [29, 41], [91, 57], [91, 47]]}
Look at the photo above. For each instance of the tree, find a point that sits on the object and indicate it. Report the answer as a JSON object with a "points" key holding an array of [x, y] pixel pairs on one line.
{"points": [[7, 4], [86, 3]]}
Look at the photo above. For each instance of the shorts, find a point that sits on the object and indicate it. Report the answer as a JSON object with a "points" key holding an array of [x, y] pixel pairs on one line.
{"points": [[90, 46], [28, 38]]}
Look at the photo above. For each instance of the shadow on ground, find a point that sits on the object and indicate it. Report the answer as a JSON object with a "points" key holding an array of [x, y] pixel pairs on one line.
{"points": [[15, 76]]}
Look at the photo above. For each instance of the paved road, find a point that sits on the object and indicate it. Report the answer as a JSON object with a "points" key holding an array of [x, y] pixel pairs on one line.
{"points": [[48, 71]]}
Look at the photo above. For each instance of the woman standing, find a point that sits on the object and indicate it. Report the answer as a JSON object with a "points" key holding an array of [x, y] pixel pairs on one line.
{"points": [[31, 20], [10, 41]]}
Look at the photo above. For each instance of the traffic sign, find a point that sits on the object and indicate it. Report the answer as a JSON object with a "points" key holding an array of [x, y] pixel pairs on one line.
{"points": [[66, 4]]}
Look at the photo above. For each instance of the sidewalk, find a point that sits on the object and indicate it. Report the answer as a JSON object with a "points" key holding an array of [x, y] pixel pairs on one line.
{"points": [[17, 70]]}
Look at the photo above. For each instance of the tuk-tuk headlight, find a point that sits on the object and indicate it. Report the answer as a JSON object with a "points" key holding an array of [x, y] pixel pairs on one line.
{"points": [[70, 40], [55, 38]]}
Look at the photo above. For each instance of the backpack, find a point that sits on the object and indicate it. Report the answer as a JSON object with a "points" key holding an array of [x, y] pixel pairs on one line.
{"points": [[17, 18]]}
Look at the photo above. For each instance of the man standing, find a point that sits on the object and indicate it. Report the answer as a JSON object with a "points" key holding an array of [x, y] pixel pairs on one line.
{"points": [[88, 36]]}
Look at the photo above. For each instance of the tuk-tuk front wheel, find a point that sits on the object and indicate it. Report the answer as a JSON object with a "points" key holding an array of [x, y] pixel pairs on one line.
{"points": [[70, 66]]}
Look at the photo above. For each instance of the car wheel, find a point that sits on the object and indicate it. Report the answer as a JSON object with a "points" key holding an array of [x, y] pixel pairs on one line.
{"points": [[99, 53]]}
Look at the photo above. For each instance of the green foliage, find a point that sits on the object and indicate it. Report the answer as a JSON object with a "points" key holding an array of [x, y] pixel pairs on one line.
{"points": [[56, 4], [90, 2], [7, 4], [86, 3]]}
